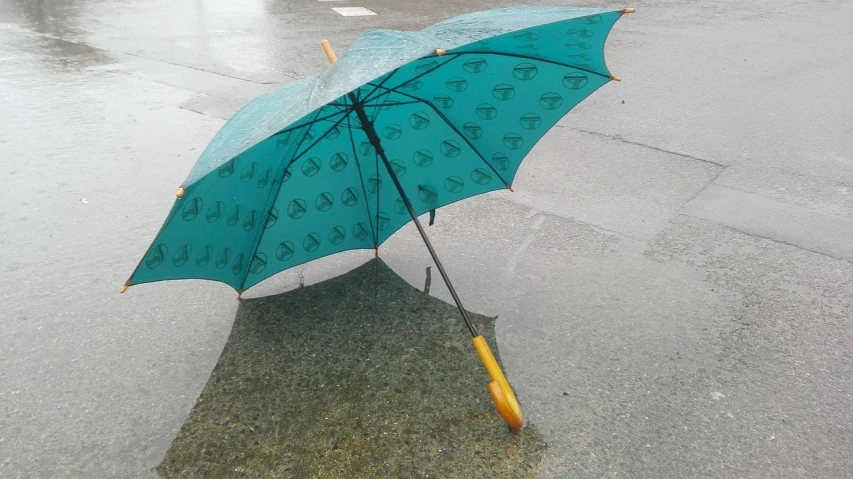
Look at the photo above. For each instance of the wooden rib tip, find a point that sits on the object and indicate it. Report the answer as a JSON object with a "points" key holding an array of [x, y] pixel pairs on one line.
{"points": [[629, 10], [239, 295], [376, 252], [440, 52], [180, 193], [124, 287], [510, 188], [616, 78]]}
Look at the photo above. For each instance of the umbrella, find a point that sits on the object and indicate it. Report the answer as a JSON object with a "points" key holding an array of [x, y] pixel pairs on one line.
{"points": [[404, 123]]}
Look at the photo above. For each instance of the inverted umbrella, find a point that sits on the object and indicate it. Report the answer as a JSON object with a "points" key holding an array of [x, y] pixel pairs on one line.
{"points": [[403, 124]]}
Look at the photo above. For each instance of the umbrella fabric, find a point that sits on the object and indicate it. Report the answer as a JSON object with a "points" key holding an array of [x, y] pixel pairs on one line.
{"points": [[293, 177]]}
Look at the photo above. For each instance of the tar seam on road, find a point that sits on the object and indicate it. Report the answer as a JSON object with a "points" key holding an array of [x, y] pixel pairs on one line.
{"points": [[777, 241], [191, 67], [618, 138], [700, 190]]}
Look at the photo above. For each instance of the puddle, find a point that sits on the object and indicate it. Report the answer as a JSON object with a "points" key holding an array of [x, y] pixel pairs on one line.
{"points": [[359, 376]]}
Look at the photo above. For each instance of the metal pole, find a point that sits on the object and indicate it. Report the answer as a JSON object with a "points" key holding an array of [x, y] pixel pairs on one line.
{"points": [[374, 140]]}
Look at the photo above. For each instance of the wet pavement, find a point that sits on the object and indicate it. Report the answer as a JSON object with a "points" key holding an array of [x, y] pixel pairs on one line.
{"points": [[671, 279]]}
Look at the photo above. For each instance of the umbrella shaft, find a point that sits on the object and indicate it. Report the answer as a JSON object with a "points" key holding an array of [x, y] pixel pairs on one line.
{"points": [[374, 140]]}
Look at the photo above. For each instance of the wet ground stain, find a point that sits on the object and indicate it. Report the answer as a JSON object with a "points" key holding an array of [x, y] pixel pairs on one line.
{"points": [[359, 376]]}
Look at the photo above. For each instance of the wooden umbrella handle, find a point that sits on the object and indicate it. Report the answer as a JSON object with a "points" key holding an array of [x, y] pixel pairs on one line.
{"points": [[499, 387], [330, 54]]}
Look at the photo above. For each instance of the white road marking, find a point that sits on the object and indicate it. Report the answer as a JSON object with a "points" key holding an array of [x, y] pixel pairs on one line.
{"points": [[353, 11]]}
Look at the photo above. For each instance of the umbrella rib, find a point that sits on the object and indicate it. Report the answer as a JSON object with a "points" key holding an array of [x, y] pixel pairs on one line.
{"points": [[471, 145], [391, 105], [262, 229], [459, 133], [315, 120], [410, 80], [377, 109], [361, 179], [543, 60], [319, 139], [376, 87]]}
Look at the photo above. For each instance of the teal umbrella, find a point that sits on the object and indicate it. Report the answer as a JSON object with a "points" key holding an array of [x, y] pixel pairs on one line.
{"points": [[403, 124]]}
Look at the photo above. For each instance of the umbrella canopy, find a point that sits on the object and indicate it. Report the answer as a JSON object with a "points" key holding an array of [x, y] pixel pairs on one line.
{"points": [[293, 176], [405, 123]]}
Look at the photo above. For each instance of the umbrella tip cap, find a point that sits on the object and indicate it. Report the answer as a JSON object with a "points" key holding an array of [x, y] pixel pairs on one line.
{"points": [[615, 78], [124, 287], [440, 52], [629, 10], [180, 193]]}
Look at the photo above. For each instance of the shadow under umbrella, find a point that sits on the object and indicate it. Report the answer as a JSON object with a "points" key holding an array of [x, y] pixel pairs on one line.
{"points": [[359, 376]]}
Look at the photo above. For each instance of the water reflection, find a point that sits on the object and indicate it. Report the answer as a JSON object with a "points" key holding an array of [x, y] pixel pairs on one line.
{"points": [[48, 33], [56, 18], [239, 39], [358, 376]]}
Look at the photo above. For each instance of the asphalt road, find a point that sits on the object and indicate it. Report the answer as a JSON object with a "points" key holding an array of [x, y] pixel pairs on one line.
{"points": [[672, 275]]}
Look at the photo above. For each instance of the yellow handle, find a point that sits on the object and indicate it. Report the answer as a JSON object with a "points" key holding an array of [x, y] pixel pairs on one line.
{"points": [[499, 388], [330, 54]]}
